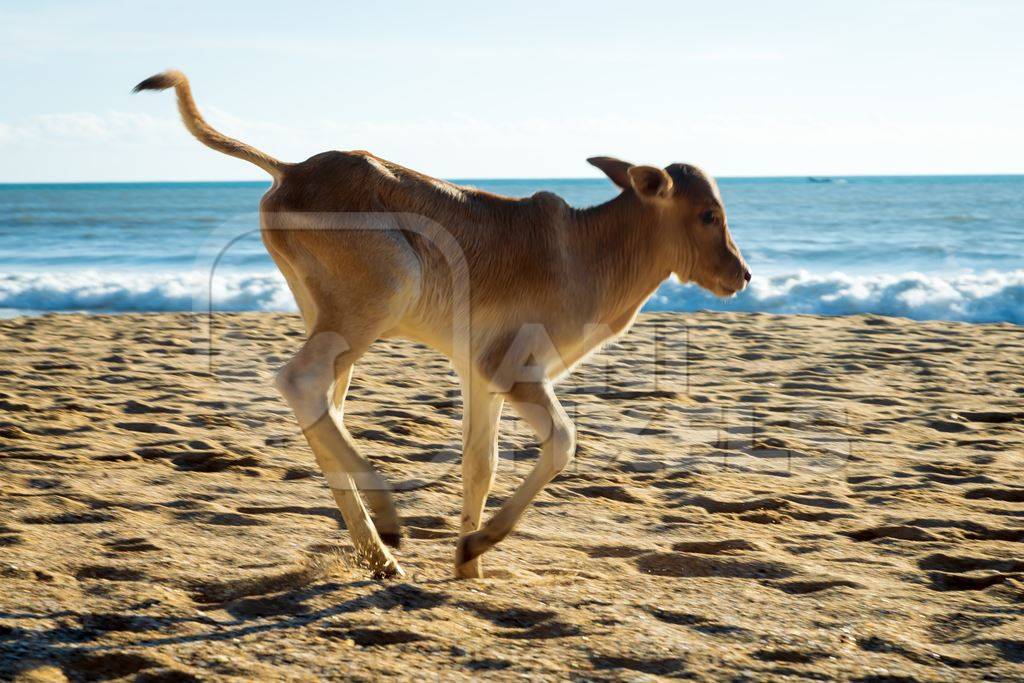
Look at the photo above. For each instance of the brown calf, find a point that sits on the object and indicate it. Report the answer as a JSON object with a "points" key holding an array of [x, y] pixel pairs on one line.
{"points": [[514, 291]]}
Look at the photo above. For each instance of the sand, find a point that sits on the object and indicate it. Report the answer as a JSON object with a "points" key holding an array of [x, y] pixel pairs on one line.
{"points": [[781, 497]]}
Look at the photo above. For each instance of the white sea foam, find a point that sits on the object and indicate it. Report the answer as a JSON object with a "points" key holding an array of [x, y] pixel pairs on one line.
{"points": [[118, 292], [982, 297], [972, 297]]}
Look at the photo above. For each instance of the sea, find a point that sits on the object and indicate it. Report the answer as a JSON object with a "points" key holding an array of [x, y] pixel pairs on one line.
{"points": [[922, 247]]}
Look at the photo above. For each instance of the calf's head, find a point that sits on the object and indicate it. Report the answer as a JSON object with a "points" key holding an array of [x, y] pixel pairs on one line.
{"points": [[690, 220]]}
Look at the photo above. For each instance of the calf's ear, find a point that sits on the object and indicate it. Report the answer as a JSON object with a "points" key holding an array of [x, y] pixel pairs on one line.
{"points": [[650, 182], [617, 170]]}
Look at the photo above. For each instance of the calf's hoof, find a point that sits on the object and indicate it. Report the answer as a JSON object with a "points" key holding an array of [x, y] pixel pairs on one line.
{"points": [[391, 538], [390, 570], [384, 516], [469, 570], [467, 554]]}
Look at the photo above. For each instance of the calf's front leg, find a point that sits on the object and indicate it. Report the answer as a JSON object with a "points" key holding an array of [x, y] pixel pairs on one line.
{"points": [[537, 404], [481, 416]]}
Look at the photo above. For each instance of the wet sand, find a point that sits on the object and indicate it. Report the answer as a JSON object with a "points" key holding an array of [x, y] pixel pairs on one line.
{"points": [[754, 497]]}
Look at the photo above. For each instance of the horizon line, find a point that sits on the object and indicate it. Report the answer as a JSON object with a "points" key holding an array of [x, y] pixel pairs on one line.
{"points": [[524, 178]]}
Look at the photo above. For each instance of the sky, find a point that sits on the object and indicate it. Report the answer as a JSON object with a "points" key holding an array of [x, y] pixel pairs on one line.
{"points": [[517, 90]]}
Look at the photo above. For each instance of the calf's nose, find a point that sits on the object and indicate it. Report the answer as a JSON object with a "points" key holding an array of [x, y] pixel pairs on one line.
{"points": [[746, 275]]}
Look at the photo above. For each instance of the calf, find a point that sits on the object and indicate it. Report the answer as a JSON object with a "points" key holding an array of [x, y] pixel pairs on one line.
{"points": [[514, 292]]}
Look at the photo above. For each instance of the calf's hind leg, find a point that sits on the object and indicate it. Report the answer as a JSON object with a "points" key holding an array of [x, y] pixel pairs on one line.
{"points": [[375, 489], [314, 383]]}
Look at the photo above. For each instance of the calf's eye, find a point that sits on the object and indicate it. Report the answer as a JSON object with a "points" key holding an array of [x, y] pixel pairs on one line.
{"points": [[708, 217]]}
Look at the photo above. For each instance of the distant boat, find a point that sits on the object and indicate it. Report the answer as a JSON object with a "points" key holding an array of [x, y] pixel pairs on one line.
{"points": [[817, 179]]}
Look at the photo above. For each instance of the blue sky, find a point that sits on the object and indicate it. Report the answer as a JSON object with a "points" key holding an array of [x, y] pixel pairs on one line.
{"points": [[530, 90]]}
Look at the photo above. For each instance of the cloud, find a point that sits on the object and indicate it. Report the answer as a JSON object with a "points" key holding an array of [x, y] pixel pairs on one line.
{"points": [[140, 146], [88, 127]]}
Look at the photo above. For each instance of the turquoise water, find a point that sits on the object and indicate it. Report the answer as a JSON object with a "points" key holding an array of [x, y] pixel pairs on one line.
{"points": [[922, 247]]}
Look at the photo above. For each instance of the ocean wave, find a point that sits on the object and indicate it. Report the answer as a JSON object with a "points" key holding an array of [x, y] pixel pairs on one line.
{"points": [[975, 297], [122, 292], [972, 297]]}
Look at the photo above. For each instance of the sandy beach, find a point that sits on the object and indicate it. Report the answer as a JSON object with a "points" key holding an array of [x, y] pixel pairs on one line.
{"points": [[755, 497]]}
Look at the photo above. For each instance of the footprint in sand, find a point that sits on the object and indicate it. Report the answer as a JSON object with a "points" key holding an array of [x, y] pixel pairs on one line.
{"points": [[660, 666], [509, 617], [947, 470], [320, 510], [524, 624], [1009, 495], [789, 656], [110, 573], [612, 492], [197, 456], [544, 631], [201, 461], [427, 527], [146, 427], [112, 621], [83, 517], [110, 665], [699, 623], [617, 551], [886, 645], [295, 473], [992, 416], [897, 531], [952, 563], [139, 408], [813, 586], [9, 536], [684, 565], [727, 546], [735, 506], [986, 534], [372, 637], [218, 518], [951, 573], [132, 545]]}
